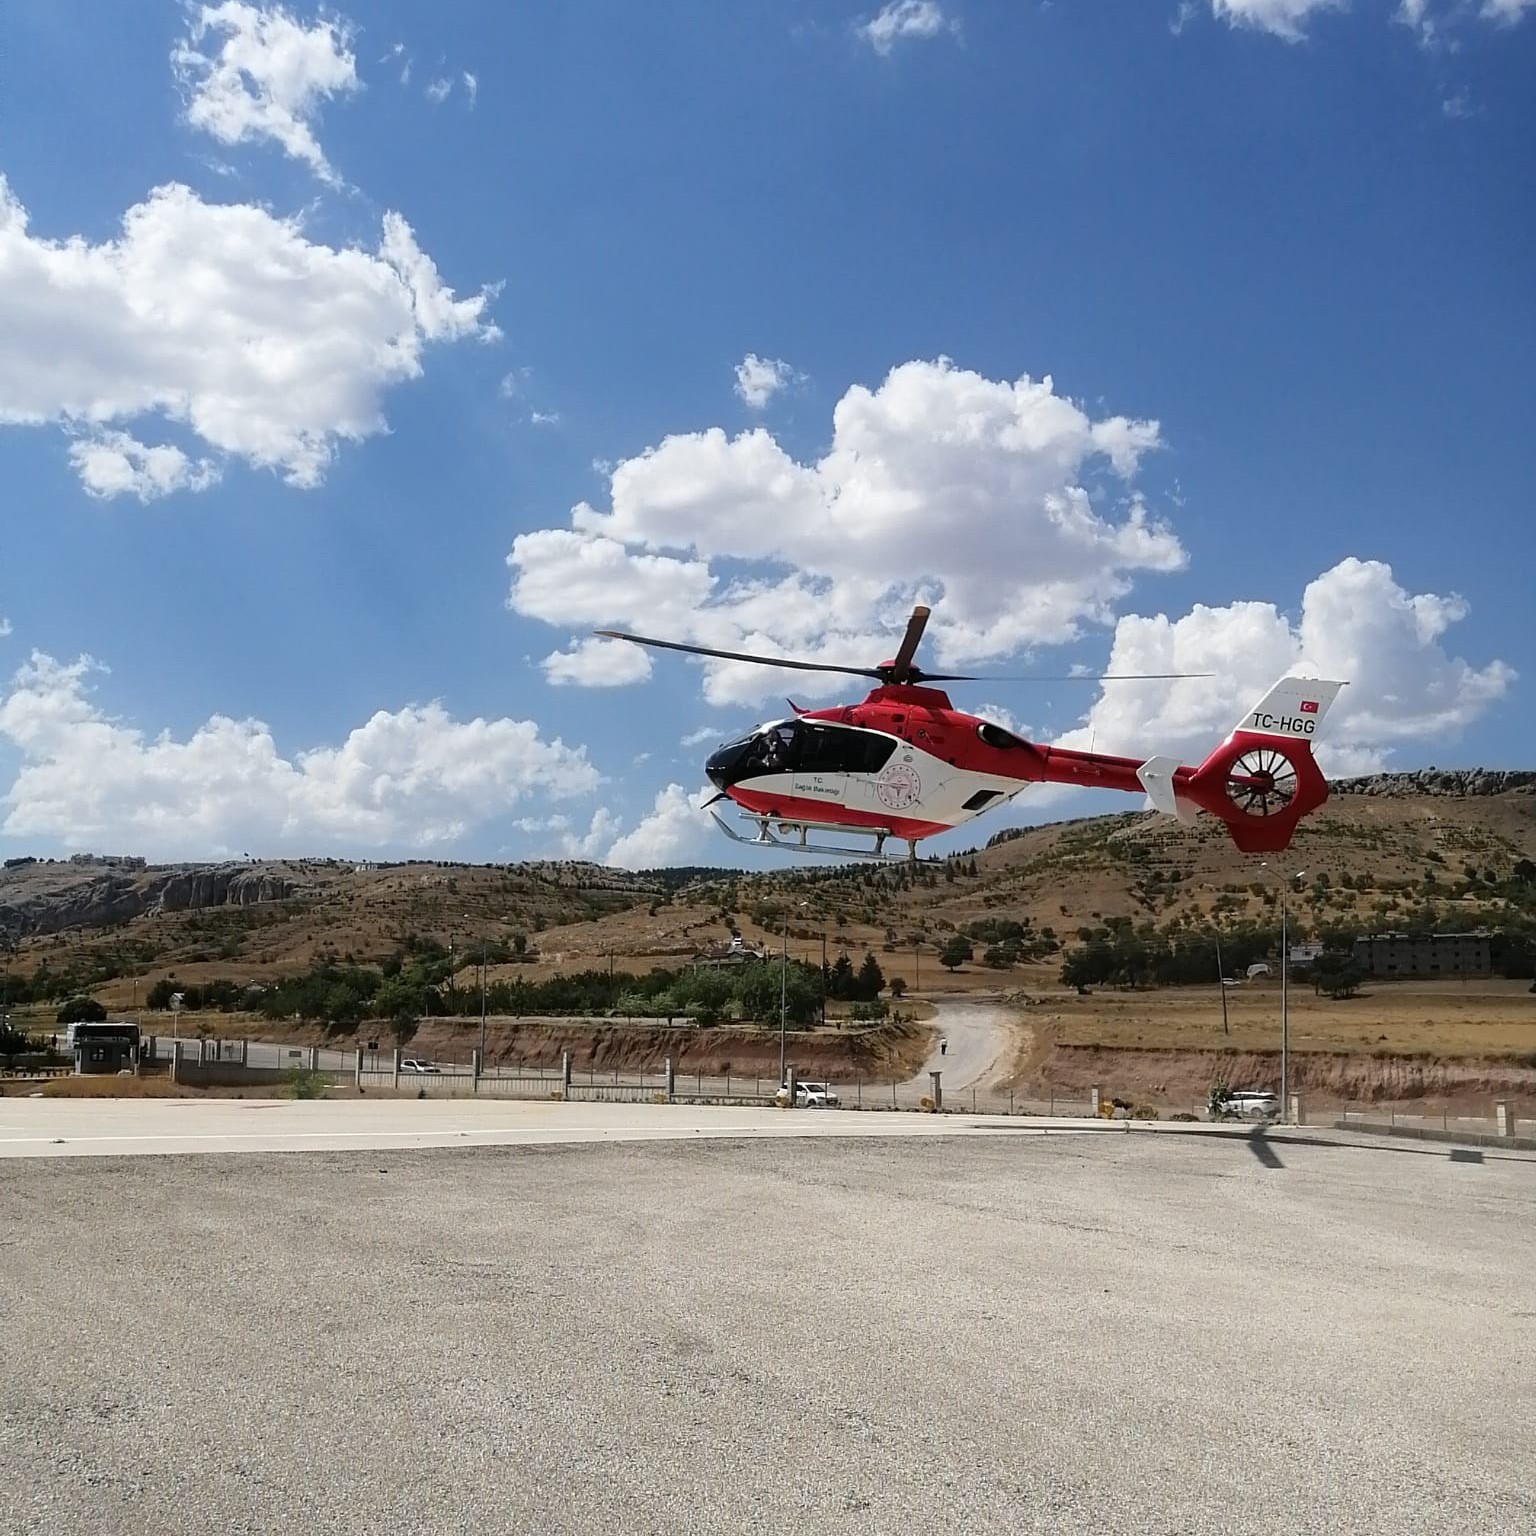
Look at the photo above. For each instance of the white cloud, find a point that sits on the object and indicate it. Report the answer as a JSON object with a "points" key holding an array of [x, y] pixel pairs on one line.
{"points": [[270, 347], [1415, 14], [710, 733], [5, 627], [1280, 18], [676, 831], [440, 90], [940, 485], [399, 52], [1357, 624], [412, 778], [601, 831], [904, 19], [759, 379], [544, 418], [115, 464], [598, 664], [268, 79], [1506, 11], [472, 88]]}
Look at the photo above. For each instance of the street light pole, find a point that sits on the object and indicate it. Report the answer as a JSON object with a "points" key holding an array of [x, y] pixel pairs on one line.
{"points": [[482, 1005]]}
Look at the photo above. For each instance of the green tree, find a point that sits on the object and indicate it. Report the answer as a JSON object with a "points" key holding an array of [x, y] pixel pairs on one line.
{"points": [[399, 1003], [956, 951], [1341, 983], [870, 979], [81, 1010], [343, 1006], [162, 992]]}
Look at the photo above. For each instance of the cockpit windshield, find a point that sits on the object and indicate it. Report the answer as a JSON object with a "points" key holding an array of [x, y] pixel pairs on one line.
{"points": [[801, 746]]}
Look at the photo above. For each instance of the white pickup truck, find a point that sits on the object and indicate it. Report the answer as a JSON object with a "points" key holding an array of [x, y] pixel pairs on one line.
{"points": [[811, 1096], [1254, 1105]]}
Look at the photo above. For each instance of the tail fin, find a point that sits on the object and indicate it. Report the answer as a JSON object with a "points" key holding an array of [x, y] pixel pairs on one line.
{"points": [[1293, 708], [1263, 779]]}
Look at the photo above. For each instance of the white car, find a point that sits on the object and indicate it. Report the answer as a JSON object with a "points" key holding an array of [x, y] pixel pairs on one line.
{"points": [[411, 1064], [1254, 1105], [811, 1096]]}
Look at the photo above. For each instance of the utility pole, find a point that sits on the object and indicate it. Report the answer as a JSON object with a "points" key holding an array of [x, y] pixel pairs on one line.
{"points": [[783, 1000], [1221, 981], [482, 1005], [823, 975], [1285, 1026], [803, 906]]}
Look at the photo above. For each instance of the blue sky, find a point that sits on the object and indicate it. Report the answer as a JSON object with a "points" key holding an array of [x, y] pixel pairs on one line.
{"points": [[265, 461]]}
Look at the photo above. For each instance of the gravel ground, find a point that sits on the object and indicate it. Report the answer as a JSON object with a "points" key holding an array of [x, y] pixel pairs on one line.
{"points": [[1157, 1333]]}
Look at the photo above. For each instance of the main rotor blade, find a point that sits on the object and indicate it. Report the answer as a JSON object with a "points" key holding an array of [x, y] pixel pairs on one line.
{"points": [[762, 661], [901, 667], [1080, 677]]}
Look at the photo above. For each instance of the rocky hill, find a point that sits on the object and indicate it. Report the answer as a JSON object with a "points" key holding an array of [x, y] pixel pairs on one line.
{"points": [[1456, 782]]}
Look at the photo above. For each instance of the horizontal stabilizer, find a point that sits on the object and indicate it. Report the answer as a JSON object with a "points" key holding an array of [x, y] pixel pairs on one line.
{"points": [[1156, 775]]}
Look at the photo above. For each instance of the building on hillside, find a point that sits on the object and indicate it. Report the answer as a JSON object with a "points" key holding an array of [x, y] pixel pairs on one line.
{"points": [[1434, 954]]}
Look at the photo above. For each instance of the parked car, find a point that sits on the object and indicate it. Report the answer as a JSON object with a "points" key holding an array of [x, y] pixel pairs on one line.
{"points": [[1251, 1105], [412, 1064], [811, 1096]]}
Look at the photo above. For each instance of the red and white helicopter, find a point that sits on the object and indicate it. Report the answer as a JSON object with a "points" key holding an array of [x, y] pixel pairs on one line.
{"points": [[907, 764]]}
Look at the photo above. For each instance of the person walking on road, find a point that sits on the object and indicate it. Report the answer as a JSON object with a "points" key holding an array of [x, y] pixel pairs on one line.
{"points": [[943, 1045]]}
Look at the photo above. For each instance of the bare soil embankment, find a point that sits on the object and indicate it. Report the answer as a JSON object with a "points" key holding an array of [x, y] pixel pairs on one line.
{"points": [[886, 1050], [1179, 1076]]}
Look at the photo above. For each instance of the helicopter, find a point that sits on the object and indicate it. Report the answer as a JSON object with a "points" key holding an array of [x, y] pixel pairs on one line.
{"points": [[906, 764]]}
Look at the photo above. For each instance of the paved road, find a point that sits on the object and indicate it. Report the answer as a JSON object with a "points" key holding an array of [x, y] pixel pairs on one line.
{"points": [[1162, 1333], [982, 1039]]}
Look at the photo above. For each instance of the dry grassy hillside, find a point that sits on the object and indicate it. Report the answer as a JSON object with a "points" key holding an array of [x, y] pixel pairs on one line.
{"points": [[1373, 860], [271, 918]]}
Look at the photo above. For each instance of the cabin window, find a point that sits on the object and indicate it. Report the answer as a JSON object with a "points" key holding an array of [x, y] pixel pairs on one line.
{"points": [[832, 749], [980, 798]]}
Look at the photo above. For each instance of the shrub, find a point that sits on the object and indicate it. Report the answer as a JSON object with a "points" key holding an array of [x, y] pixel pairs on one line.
{"points": [[304, 1083]]}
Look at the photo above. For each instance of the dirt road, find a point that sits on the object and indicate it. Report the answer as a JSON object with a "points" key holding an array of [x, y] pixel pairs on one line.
{"points": [[982, 1041]]}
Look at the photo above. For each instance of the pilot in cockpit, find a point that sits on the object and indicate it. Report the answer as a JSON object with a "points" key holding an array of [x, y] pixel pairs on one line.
{"points": [[776, 748]]}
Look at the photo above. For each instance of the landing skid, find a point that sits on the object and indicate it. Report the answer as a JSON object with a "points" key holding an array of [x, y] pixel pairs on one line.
{"points": [[802, 845]]}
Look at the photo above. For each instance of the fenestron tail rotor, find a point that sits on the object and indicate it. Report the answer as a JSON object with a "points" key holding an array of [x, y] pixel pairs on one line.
{"points": [[1262, 782]]}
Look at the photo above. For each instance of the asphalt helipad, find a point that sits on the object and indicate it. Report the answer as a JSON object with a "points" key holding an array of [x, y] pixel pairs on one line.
{"points": [[45, 1127], [735, 1321]]}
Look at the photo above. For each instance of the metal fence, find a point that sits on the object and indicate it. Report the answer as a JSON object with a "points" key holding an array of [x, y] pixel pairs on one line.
{"points": [[374, 1071]]}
